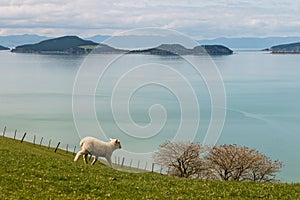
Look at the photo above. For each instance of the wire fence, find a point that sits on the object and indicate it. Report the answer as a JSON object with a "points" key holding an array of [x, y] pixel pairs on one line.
{"points": [[120, 163]]}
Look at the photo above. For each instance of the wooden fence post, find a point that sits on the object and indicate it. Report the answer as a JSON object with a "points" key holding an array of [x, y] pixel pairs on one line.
{"points": [[152, 167], [23, 137], [122, 162], [34, 140], [56, 147], [138, 166], [67, 148], [49, 144], [130, 163], [15, 134], [4, 131], [41, 141], [146, 165], [74, 150]]}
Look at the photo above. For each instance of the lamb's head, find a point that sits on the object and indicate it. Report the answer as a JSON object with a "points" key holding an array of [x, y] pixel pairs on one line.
{"points": [[116, 142]]}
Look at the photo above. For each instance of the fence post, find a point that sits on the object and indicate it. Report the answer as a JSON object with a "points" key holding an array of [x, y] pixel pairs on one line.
{"points": [[74, 150], [41, 141], [15, 134], [160, 170], [122, 162], [4, 131], [146, 165], [152, 167], [23, 137], [138, 166], [56, 147], [67, 148], [34, 140], [49, 144], [130, 163]]}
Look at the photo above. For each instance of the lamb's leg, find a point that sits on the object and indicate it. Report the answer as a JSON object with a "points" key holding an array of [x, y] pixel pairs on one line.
{"points": [[85, 158], [80, 153], [94, 161]]}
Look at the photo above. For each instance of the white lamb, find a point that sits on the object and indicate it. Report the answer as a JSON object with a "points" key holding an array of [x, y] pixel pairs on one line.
{"points": [[97, 148]]}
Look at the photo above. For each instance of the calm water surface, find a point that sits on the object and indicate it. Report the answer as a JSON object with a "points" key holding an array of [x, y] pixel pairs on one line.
{"points": [[262, 90]]}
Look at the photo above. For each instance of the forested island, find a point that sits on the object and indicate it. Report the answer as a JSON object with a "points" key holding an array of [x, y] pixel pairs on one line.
{"points": [[76, 45], [3, 48], [286, 48], [61, 45], [177, 49]]}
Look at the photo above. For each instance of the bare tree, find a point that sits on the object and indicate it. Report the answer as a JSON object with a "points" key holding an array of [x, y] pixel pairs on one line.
{"points": [[231, 162], [223, 162], [264, 169], [182, 159]]}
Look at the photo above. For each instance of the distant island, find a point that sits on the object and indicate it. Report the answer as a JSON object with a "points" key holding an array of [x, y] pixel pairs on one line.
{"points": [[3, 48], [177, 49], [76, 45], [293, 48], [250, 42], [61, 45]]}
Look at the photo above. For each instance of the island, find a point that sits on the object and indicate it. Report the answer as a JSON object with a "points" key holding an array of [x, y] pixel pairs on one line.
{"points": [[76, 45], [292, 48], [3, 48], [61, 45], [177, 49]]}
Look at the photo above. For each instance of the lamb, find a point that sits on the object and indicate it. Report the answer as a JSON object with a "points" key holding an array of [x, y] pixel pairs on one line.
{"points": [[97, 148]]}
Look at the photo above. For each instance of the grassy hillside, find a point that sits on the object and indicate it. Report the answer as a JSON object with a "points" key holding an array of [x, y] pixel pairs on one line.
{"points": [[29, 171]]}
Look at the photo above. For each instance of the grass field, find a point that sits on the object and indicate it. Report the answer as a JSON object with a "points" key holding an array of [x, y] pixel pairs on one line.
{"points": [[29, 171]]}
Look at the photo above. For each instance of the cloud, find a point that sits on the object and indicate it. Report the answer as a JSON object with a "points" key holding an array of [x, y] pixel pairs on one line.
{"points": [[196, 18]]}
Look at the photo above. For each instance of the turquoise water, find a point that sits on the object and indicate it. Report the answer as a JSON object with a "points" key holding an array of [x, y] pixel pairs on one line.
{"points": [[262, 108]]}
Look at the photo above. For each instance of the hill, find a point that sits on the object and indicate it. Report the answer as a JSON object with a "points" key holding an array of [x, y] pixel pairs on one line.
{"points": [[215, 49], [76, 45], [286, 48], [61, 45], [3, 48], [177, 49], [30, 171], [250, 42]]}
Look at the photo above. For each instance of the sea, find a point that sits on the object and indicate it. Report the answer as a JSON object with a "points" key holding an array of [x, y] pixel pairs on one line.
{"points": [[249, 98]]}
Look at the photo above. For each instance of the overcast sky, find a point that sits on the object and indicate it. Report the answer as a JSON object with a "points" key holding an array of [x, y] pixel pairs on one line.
{"points": [[197, 18]]}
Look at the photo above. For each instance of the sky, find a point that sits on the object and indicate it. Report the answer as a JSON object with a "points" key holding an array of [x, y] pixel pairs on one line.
{"points": [[199, 19]]}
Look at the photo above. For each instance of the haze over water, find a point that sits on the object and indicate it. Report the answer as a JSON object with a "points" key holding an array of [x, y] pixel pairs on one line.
{"points": [[262, 90]]}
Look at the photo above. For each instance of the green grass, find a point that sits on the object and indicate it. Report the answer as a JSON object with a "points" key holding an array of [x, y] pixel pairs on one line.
{"points": [[29, 171]]}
